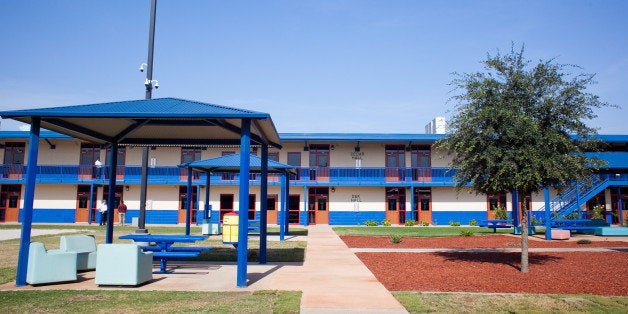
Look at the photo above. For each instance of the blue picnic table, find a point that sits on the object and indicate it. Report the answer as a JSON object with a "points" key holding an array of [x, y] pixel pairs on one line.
{"points": [[495, 223], [164, 248]]}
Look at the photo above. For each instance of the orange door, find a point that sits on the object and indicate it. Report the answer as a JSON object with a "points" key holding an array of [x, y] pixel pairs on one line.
{"points": [[271, 209], [183, 198], [396, 205], [318, 206], [423, 201], [495, 202], [10, 202], [83, 205]]}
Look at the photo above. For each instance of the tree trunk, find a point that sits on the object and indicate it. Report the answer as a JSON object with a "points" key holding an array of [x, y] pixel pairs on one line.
{"points": [[524, 236]]}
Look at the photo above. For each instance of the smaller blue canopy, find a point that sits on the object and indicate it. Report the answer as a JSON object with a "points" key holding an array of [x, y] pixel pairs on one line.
{"points": [[231, 163]]}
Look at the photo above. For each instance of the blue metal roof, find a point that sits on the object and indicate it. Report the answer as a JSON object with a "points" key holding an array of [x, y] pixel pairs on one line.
{"points": [[152, 122], [231, 163], [364, 137]]}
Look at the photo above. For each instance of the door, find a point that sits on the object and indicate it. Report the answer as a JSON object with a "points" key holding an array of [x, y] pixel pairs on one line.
{"points": [[189, 154], [83, 205], [421, 163], [226, 204], [271, 209], [13, 166], [319, 162], [395, 163], [396, 205], [496, 206], [294, 203], [318, 203], [423, 205], [183, 198], [10, 195], [116, 201], [89, 154]]}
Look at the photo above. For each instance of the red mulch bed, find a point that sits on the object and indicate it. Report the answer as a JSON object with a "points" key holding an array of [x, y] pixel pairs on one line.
{"points": [[601, 273]]}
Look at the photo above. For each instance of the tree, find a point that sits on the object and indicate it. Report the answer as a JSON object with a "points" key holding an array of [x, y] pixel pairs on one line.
{"points": [[521, 128]]}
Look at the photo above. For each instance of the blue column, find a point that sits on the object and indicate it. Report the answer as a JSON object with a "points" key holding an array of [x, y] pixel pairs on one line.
{"points": [[412, 204], [29, 196], [619, 207], [243, 227], [305, 221], [198, 209], [263, 217], [548, 225], [111, 199], [287, 192], [516, 220], [188, 201], [207, 185], [283, 207]]}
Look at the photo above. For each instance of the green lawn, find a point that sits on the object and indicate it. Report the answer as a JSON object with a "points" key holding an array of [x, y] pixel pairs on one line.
{"points": [[414, 231], [129, 301], [417, 302]]}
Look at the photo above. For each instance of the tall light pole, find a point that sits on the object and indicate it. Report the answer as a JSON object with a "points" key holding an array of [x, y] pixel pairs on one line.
{"points": [[141, 224]]}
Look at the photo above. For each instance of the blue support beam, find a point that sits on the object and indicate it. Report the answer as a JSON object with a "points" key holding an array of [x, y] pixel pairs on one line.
{"points": [[29, 196], [243, 223], [548, 225], [516, 220], [92, 201], [188, 201], [263, 219], [287, 215], [283, 210], [111, 199]]}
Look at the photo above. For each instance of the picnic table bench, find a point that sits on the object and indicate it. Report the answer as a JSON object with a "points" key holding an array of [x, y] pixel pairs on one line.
{"points": [[577, 224], [496, 223], [164, 249]]}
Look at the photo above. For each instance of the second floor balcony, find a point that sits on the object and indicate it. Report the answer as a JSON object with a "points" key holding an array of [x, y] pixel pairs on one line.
{"points": [[129, 174]]}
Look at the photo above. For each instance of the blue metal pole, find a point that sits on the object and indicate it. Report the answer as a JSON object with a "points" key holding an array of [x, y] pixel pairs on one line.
{"points": [[305, 221], [198, 209], [188, 202], [263, 219], [111, 208], [243, 224], [412, 204], [548, 225], [29, 196], [515, 212], [283, 210], [207, 185], [287, 215], [619, 207]]}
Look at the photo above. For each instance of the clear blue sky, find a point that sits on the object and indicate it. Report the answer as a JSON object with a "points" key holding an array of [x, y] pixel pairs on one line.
{"points": [[315, 66]]}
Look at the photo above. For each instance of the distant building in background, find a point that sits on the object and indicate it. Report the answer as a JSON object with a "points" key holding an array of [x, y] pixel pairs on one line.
{"points": [[437, 126]]}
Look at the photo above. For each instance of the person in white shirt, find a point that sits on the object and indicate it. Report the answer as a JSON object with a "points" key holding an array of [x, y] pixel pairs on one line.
{"points": [[102, 208]]}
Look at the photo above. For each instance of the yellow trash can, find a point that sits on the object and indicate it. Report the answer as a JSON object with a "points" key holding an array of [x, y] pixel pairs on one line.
{"points": [[230, 227]]}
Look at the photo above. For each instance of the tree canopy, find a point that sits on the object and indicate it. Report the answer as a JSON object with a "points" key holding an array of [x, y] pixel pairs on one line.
{"points": [[521, 126]]}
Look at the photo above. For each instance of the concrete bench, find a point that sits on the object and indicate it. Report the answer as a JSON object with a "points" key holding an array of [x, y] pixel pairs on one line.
{"points": [[49, 266], [611, 231], [560, 234], [123, 264], [254, 227], [85, 248]]}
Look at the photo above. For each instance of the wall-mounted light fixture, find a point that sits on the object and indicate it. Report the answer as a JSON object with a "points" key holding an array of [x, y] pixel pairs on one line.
{"points": [[357, 147], [306, 147], [333, 189], [126, 188], [409, 147]]}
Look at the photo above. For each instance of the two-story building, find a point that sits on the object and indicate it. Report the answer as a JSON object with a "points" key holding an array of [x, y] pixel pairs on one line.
{"points": [[342, 179]]}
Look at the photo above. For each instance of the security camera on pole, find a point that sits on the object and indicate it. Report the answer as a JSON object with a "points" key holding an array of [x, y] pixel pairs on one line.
{"points": [[149, 83]]}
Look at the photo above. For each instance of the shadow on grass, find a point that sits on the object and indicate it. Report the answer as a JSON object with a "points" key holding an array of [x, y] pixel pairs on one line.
{"points": [[512, 259], [230, 254]]}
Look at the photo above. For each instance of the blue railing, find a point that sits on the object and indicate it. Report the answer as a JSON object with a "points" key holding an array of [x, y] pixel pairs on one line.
{"points": [[176, 175]]}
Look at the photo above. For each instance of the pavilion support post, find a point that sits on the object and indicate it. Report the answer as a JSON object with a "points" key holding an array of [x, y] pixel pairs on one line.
{"points": [[412, 206], [208, 209], [111, 199], [287, 193], [29, 196], [283, 210], [243, 224], [263, 219], [548, 224], [620, 207], [305, 221], [515, 211], [188, 201]]}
